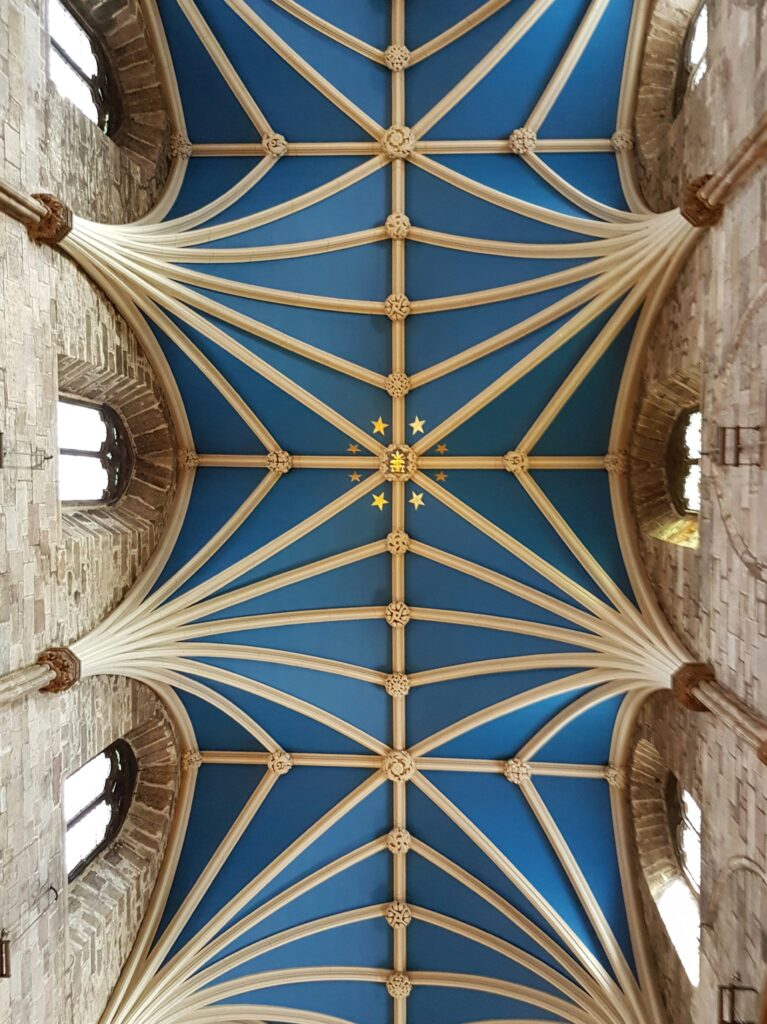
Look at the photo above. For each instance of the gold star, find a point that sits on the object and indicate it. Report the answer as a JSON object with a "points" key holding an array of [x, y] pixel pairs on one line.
{"points": [[379, 501], [441, 448], [355, 477], [353, 449], [417, 426], [379, 427], [416, 500], [441, 476]]}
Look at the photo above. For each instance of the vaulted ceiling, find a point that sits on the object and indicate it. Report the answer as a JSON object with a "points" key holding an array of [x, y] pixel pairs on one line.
{"points": [[396, 290]]}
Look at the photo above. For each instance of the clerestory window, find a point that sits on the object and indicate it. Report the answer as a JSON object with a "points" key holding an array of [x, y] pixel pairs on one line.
{"points": [[95, 455], [96, 801], [694, 58], [683, 462], [78, 68], [679, 903]]}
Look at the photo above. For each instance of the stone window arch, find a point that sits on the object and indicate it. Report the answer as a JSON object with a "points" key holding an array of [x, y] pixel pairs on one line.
{"points": [[106, 544], [663, 79], [123, 79], [107, 901], [659, 810], [663, 457], [97, 798]]}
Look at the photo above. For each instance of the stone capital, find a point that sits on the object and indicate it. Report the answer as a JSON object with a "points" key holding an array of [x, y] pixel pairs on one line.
{"points": [[684, 681], [56, 222], [694, 208], [65, 664]]}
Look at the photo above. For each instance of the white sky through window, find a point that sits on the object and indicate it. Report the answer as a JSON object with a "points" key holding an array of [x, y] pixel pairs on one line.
{"points": [[70, 37], [75, 43], [699, 47], [81, 477], [85, 836], [699, 39], [681, 916], [81, 427], [693, 441], [85, 785], [80, 790]]}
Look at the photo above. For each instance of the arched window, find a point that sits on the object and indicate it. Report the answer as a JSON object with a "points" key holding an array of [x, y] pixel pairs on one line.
{"points": [[95, 455], [96, 800], [694, 59], [679, 904], [683, 462], [78, 68]]}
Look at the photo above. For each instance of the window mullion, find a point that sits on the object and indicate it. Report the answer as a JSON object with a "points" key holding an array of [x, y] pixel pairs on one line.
{"points": [[101, 798], [65, 56]]}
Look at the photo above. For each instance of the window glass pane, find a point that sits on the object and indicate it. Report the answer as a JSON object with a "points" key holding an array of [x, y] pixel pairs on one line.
{"points": [[81, 478], [699, 38], [85, 836], [692, 489], [81, 427], [692, 811], [692, 435], [71, 38], [681, 916], [87, 783], [72, 87]]}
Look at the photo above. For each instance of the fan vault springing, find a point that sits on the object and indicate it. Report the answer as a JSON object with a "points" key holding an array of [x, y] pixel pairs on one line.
{"points": [[397, 288]]}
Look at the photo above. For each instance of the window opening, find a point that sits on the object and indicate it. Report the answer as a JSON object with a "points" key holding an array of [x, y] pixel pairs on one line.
{"points": [[77, 67], [96, 800], [694, 59], [678, 904], [94, 453], [683, 462]]}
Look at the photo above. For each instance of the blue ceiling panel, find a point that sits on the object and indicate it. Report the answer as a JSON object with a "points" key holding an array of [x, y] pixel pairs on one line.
{"points": [[382, 610]]}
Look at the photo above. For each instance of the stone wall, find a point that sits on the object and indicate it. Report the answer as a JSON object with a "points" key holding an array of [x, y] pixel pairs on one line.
{"points": [[65, 966], [110, 897], [56, 582], [712, 327]]}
